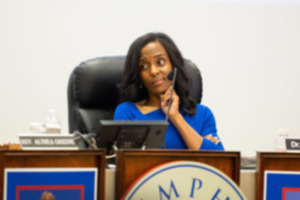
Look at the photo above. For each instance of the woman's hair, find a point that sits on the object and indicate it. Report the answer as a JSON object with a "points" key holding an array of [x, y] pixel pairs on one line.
{"points": [[131, 89]]}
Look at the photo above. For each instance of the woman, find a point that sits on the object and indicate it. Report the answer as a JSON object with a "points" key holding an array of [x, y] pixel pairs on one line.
{"points": [[145, 93]]}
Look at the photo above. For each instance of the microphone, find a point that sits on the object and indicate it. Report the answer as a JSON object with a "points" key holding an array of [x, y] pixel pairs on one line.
{"points": [[171, 77], [88, 139]]}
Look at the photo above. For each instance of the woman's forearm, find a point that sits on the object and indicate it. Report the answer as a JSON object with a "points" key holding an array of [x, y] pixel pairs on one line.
{"points": [[191, 138]]}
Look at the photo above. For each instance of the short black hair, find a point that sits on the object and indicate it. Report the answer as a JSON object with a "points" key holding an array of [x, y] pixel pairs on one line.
{"points": [[130, 89]]}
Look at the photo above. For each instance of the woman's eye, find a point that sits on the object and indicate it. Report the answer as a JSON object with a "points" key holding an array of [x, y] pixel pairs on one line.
{"points": [[143, 66], [161, 62]]}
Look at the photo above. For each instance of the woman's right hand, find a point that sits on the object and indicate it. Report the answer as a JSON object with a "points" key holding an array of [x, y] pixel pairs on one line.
{"points": [[174, 108]]}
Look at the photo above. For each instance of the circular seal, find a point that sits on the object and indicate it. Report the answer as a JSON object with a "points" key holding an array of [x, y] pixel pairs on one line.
{"points": [[184, 180]]}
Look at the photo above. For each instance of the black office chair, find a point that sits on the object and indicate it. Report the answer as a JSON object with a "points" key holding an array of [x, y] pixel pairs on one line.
{"points": [[93, 91]]}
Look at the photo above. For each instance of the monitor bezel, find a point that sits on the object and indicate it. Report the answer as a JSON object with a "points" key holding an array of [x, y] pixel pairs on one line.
{"points": [[108, 134]]}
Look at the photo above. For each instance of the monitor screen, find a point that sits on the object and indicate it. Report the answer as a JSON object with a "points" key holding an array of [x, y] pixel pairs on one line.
{"points": [[113, 134]]}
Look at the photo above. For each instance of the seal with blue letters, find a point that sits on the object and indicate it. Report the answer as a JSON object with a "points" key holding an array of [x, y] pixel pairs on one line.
{"points": [[184, 180]]}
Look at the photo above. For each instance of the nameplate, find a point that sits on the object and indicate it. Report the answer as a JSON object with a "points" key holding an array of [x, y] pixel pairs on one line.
{"points": [[184, 180], [292, 144], [47, 141]]}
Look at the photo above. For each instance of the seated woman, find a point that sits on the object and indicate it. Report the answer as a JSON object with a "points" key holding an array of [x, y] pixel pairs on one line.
{"points": [[145, 93]]}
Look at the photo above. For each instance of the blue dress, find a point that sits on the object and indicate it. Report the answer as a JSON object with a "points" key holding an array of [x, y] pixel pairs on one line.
{"points": [[203, 123]]}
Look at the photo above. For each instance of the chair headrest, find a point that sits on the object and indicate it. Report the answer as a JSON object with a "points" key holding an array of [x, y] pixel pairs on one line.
{"points": [[95, 82]]}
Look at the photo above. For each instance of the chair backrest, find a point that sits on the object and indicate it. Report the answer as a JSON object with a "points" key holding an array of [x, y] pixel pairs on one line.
{"points": [[93, 91]]}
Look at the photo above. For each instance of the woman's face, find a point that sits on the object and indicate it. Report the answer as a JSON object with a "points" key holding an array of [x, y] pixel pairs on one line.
{"points": [[155, 66]]}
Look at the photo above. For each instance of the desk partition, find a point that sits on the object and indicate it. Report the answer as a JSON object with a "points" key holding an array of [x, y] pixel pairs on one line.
{"points": [[131, 164], [54, 159], [280, 163]]}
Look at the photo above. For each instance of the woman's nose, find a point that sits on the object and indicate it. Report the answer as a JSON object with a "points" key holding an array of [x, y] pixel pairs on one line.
{"points": [[154, 70]]}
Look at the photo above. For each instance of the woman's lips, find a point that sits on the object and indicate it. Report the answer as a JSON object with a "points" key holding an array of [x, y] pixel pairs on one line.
{"points": [[157, 82]]}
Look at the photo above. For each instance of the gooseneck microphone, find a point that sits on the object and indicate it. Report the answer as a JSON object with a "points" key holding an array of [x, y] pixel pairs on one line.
{"points": [[171, 77], [89, 139]]}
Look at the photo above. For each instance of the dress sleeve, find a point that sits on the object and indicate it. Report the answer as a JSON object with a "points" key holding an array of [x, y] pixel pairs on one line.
{"points": [[209, 127]]}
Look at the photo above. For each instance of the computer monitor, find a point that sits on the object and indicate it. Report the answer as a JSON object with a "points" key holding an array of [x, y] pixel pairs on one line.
{"points": [[114, 134]]}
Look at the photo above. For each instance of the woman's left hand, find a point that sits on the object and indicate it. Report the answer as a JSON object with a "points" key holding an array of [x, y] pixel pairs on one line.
{"points": [[213, 139], [165, 98]]}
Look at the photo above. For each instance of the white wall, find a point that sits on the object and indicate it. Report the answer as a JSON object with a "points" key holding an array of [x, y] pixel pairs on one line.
{"points": [[248, 53]]}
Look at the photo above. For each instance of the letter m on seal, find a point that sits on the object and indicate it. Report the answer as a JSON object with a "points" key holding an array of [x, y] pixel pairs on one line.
{"points": [[162, 192]]}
